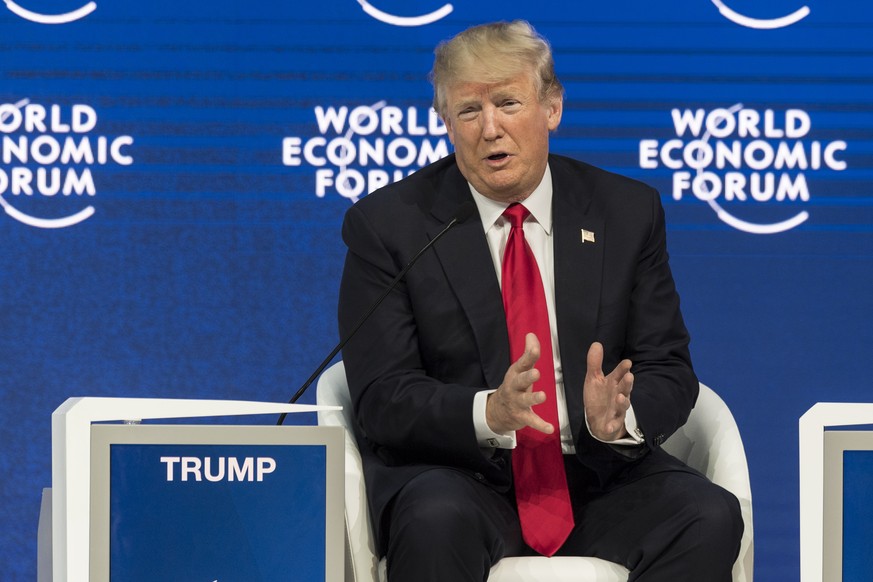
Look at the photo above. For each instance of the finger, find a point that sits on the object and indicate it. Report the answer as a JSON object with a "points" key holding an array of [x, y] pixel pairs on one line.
{"points": [[623, 384], [531, 352], [525, 380], [622, 403], [595, 359], [615, 426], [627, 384], [621, 371], [534, 398], [533, 420]]}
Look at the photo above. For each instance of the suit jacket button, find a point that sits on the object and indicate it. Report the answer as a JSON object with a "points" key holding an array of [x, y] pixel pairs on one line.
{"points": [[479, 476]]}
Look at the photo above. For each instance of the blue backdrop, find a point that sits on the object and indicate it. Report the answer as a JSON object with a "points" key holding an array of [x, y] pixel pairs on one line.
{"points": [[173, 177]]}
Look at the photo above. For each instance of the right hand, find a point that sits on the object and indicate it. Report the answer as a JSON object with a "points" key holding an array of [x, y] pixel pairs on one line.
{"points": [[509, 408]]}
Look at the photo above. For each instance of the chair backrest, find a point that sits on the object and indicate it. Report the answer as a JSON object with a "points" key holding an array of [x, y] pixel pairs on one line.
{"points": [[711, 443], [361, 562], [333, 390]]}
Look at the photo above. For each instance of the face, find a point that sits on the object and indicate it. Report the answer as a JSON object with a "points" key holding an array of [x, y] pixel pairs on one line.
{"points": [[501, 135]]}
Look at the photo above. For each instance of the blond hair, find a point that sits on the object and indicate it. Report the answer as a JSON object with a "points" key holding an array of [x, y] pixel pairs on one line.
{"points": [[494, 53]]}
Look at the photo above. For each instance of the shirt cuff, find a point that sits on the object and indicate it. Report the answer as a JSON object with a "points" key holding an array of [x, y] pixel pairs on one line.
{"points": [[487, 438], [635, 433]]}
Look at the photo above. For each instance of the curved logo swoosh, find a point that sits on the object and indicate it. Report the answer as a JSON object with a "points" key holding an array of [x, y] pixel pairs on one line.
{"points": [[76, 14], [764, 24], [422, 20], [754, 228], [29, 220], [348, 136], [743, 225]]}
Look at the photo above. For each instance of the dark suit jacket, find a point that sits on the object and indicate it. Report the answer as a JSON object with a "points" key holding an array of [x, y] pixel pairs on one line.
{"points": [[440, 337]]}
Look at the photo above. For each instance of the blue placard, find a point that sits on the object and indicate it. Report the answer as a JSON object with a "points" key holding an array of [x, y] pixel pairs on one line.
{"points": [[217, 512], [857, 516]]}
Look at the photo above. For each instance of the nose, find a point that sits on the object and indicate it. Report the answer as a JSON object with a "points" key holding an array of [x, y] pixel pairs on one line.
{"points": [[491, 127]]}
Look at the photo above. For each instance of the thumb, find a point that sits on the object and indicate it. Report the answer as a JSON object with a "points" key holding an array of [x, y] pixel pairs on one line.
{"points": [[595, 359]]}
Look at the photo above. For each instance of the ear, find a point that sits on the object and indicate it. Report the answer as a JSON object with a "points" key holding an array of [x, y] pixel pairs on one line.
{"points": [[555, 108]]}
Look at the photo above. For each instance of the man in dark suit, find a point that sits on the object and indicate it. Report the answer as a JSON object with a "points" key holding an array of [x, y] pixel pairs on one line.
{"points": [[446, 392]]}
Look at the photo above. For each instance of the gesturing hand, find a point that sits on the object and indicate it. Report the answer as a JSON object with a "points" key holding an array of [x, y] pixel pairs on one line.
{"points": [[606, 398], [509, 407]]}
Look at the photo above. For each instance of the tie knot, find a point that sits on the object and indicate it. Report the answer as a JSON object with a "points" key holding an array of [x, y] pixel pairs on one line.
{"points": [[516, 213]]}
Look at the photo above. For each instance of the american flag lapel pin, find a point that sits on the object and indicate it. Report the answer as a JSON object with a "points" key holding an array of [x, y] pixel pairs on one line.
{"points": [[587, 236]]}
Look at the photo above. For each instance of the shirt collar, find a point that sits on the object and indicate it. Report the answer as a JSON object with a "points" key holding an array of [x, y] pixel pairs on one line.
{"points": [[539, 204]]}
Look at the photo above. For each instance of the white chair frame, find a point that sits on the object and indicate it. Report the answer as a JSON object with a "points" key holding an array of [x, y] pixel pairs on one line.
{"points": [[710, 442]]}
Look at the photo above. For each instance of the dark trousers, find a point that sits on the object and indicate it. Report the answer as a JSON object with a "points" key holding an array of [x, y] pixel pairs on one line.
{"points": [[669, 525]]}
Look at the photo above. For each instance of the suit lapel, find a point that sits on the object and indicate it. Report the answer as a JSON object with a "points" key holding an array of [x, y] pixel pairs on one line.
{"points": [[467, 263], [578, 277]]}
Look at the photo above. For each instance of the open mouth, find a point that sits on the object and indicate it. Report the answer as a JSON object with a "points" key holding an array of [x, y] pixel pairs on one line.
{"points": [[496, 157]]}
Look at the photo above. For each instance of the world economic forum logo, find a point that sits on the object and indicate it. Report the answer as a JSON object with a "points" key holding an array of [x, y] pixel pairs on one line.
{"points": [[397, 20], [761, 23], [748, 165], [39, 17], [48, 155], [361, 148]]}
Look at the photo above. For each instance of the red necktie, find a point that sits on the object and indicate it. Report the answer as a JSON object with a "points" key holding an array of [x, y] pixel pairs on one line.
{"points": [[537, 462]]}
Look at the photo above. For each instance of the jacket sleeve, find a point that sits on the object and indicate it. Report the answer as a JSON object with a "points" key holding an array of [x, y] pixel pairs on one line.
{"points": [[405, 411]]}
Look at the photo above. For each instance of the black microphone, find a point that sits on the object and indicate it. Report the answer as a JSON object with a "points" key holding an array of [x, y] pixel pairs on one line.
{"points": [[464, 211]]}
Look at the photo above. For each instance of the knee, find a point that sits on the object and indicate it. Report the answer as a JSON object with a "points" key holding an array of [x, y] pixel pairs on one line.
{"points": [[719, 519], [435, 526], [435, 518]]}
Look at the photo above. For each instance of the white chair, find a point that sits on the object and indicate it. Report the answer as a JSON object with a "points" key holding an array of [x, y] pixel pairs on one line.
{"points": [[710, 442]]}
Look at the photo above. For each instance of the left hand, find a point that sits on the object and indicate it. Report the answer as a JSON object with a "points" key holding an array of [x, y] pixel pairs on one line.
{"points": [[606, 398]]}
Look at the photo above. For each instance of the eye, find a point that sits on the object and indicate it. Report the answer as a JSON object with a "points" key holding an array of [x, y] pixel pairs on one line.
{"points": [[467, 113]]}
